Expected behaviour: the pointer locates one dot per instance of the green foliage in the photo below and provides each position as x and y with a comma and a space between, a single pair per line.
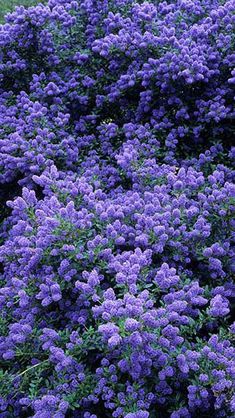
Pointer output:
7, 6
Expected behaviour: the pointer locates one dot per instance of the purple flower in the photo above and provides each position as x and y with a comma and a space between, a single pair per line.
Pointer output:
117, 200
219, 306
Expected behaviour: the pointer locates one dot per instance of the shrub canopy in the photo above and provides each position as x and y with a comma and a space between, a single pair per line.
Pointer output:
117, 195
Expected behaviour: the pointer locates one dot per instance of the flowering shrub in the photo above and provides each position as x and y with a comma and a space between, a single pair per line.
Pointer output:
117, 209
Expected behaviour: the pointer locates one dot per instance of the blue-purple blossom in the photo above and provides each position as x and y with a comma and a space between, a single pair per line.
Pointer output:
117, 209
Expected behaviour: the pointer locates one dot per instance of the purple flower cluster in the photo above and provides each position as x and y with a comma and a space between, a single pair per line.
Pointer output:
117, 202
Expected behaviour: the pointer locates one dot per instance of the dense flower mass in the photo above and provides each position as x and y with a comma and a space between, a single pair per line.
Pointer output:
117, 209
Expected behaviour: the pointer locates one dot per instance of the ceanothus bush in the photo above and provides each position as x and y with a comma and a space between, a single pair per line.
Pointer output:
117, 197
